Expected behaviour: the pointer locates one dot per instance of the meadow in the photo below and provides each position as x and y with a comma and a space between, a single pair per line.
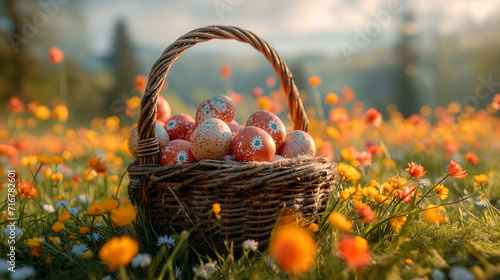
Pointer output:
417, 197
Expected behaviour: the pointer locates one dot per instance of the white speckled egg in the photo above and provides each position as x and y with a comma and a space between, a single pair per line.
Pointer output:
178, 125
220, 107
162, 136
298, 143
211, 139
133, 140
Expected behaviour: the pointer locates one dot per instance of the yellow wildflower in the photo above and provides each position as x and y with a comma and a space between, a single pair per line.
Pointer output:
123, 215
109, 204
480, 179
65, 216
34, 242
397, 222
441, 191
339, 221
95, 209
57, 227
118, 251
435, 215
348, 172
216, 208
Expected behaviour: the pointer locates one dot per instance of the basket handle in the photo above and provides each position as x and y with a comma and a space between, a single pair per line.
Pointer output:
148, 148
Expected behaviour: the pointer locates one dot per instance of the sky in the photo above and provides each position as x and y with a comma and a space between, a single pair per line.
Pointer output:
290, 26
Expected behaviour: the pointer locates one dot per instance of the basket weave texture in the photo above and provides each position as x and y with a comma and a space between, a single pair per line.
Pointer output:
251, 195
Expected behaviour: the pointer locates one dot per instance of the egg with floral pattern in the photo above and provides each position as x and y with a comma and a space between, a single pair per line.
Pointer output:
177, 152
271, 123
163, 112
253, 144
211, 139
219, 107
133, 140
178, 125
298, 143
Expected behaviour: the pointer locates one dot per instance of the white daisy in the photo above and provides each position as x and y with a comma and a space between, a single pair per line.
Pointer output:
166, 240
273, 126
141, 260
250, 244
79, 250
182, 157
256, 143
49, 208
172, 124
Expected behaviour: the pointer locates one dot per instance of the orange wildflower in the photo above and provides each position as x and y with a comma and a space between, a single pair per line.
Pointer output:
456, 171
36, 252
97, 164
57, 227
56, 56
366, 213
313, 227
140, 83
339, 221
84, 230
480, 179
60, 112
123, 215
331, 98
118, 251
216, 208
34, 242
271, 81
496, 101
27, 190
354, 251
42, 112
293, 249
348, 94
109, 204
472, 158
373, 117
314, 81
95, 209
16, 105
225, 71
435, 215
65, 216
415, 170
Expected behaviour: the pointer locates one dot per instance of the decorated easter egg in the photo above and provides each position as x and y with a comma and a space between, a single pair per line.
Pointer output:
133, 140
271, 124
229, 157
253, 144
211, 139
178, 125
277, 157
177, 152
189, 133
219, 107
298, 143
163, 112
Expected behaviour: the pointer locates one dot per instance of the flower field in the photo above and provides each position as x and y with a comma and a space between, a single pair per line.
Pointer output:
417, 197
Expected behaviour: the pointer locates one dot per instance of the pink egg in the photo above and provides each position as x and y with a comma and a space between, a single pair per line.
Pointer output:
277, 157
178, 125
211, 139
133, 140
219, 107
163, 112
177, 152
271, 123
253, 144
234, 127
298, 143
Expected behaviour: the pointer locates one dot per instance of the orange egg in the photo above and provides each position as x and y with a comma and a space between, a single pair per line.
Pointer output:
219, 107
271, 123
298, 143
163, 112
253, 144
178, 125
177, 152
234, 127
211, 139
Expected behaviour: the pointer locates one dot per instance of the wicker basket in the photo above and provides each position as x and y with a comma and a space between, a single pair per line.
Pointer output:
252, 195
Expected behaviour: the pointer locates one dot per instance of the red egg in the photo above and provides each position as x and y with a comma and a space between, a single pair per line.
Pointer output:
271, 124
163, 112
298, 143
178, 125
219, 107
133, 140
211, 139
189, 133
234, 127
177, 152
253, 144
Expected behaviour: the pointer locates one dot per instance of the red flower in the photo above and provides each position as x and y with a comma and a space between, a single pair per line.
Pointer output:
225, 71
140, 82
373, 117
456, 171
258, 91
354, 251
415, 170
407, 194
27, 190
472, 158
364, 158
16, 105
366, 213
56, 56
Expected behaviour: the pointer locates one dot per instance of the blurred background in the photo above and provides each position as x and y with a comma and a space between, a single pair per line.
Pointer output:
407, 53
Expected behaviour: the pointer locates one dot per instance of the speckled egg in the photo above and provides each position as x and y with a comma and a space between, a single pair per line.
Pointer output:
298, 143
219, 107
211, 139
189, 133
133, 140
271, 123
178, 125
177, 152
253, 144
163, 112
